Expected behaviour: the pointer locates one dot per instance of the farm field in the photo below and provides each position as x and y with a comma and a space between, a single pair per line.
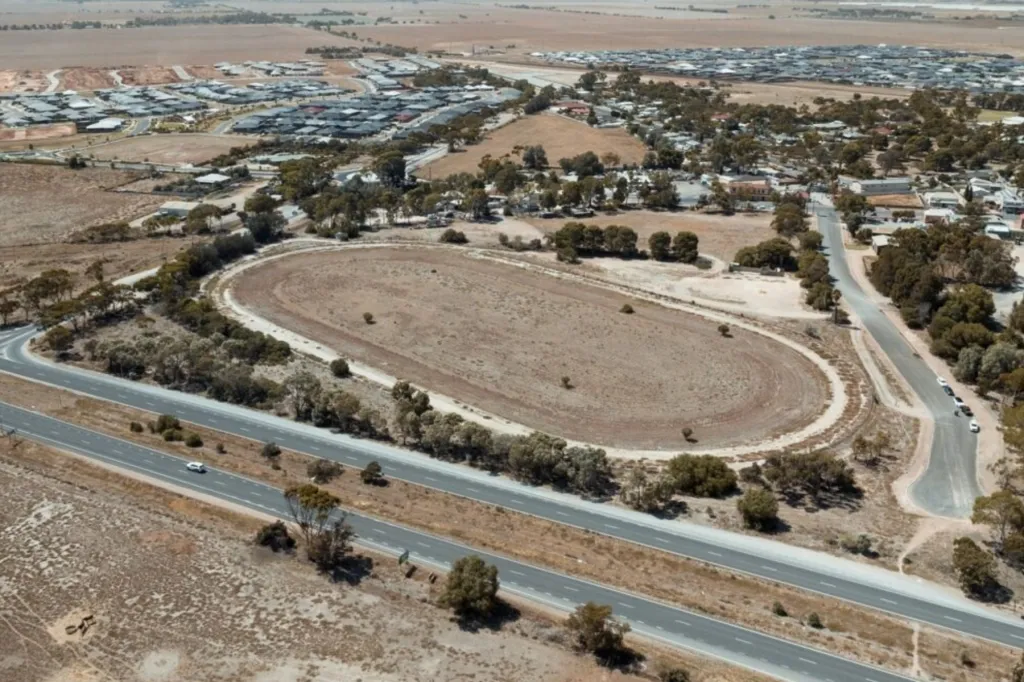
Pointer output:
720, 236
47, 203
169, 148
500, 338
560, 137
184, 45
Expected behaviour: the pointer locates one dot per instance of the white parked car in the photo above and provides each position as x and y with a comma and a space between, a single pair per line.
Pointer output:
197, 467
959, 403
974, 426
942, 382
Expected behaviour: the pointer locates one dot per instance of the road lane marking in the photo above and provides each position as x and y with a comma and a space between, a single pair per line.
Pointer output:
955, 620
769, 568
1017, 637
626, 606
826, 584
515, 572
378, 531
713, 553
473, 490
888, 601
807, 660
422, 544
661, 540
608, 525
744, 641
313, 447
430, 478
571, 589
561, 513
256, 494
683, 622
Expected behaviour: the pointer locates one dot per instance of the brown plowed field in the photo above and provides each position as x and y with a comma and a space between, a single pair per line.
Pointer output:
500, 338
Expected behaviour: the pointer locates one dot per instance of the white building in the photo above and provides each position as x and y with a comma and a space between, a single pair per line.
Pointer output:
942, 199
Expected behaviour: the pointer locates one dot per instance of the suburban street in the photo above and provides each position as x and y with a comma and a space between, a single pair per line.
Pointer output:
779, 658
870, 586
950, 483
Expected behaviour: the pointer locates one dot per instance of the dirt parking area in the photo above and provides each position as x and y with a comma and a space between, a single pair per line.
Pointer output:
561, 137
720, 236
169, 148
174, 592
501, 338
47, 203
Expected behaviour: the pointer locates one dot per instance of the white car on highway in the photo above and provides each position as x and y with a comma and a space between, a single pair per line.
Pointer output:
942, 382
973, 425
197, 467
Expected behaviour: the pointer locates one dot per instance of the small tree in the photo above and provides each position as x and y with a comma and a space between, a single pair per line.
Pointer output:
595, 631
814, 620
165, 422
135, 427
779, 610
472, 588
368, 318
453, 236
687, 433
975, 568
270, 452
723, 329
340, 369
759, 509
627, 309
372, 474
275, 536
311, 508
566, 382
193, 440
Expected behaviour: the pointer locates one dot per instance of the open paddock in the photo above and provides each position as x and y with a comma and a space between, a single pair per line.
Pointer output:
720, 236
169, 148
42, 203
560, 137
499, 338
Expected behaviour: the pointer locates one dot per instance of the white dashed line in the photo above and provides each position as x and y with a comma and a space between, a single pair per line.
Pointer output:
713, 553
827, 584
515, 572
807, 660
430, 478
626, 606
571, 589
769, 568
683, 622
743, 641
472, 490
422, 544
888, 601
608, 525
955, 620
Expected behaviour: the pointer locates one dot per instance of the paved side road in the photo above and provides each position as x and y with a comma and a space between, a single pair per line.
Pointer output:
677, 627
950, 483
869, 586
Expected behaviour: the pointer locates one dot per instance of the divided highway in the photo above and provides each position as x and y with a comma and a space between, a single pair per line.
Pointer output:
869, 586
950, 483
779, 658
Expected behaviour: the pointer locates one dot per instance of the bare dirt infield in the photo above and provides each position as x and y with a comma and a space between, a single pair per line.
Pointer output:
46, 203
720, 236
500, 338
169, 148
560, 137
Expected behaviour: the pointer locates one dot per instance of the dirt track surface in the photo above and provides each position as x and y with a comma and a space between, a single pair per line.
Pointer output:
500, 338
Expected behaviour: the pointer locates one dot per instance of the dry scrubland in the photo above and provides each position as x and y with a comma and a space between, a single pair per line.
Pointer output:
47, 203
720, 236
169, 148
178, 595
560, 137
500, 338
21, 263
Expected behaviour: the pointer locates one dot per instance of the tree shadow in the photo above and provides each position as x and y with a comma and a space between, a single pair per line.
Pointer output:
503, 614
994, 593
622, 658
353, 570
671, 510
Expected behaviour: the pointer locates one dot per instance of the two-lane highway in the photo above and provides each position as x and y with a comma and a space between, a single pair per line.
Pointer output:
950, 483
804, 569
780, 658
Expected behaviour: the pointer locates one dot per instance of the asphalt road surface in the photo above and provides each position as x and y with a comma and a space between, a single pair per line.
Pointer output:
950, 483
779, 658
804, 569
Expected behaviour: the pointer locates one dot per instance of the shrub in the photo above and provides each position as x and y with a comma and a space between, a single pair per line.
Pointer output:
779, 610
856, 544
135, 427
165, 422
723, 329
566, 382
471, 588
340, 369
759, 509
372, 474
193, 440
221, 449
701, 475
173, 435
323, 470
627, 309
674, 675
275, 536
453, 236
270, 451
368, 318
814, 620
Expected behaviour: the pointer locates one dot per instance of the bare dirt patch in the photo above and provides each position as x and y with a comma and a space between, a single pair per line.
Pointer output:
895, 200
200, 71
35, 133
149, 75
560, 137
81, 78
169, 148
22, 81
720, 236
46, 203
525, 331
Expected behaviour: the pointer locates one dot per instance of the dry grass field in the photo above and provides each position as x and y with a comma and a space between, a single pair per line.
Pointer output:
22, 81
108, 48
169, 148
500, 338
560, 137
21, 263
720, 236
47, 203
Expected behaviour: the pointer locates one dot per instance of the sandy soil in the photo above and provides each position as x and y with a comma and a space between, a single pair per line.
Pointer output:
169, 148
22, 81
46, 203
177, 593
105, 48
505, 361
19, 263
149, 75
35, 133
895, 200
560, 137
203, 72
720, 236
81, 78
539, 30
